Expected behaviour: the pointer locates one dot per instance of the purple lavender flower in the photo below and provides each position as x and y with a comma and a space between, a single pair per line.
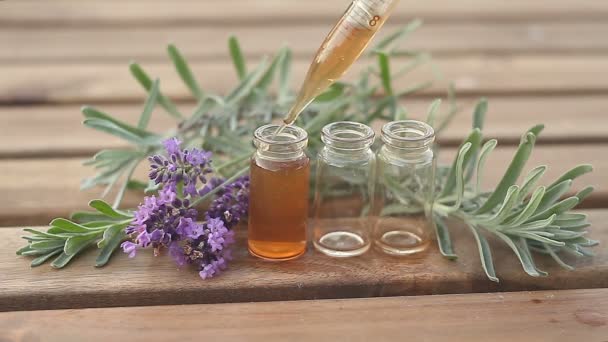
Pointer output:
168, 220
129, 248
187, 166
177, 253
232, 202
218, 235
172, 146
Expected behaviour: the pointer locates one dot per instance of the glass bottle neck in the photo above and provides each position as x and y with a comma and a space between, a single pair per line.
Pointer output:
347, 138
408, 139
288, 145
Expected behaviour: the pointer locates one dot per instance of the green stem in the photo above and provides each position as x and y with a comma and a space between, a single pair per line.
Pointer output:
232, 162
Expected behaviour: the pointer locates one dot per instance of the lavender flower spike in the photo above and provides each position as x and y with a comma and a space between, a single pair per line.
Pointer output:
168, 220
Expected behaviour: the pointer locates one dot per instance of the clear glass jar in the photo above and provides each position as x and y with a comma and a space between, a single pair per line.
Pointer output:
343, 190
404, 188
278, 201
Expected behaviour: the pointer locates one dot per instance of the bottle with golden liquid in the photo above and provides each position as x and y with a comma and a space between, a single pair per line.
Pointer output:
278, 201
340, 49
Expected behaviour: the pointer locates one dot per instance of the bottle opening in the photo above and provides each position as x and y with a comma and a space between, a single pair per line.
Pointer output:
288, 144
347, 135
287, 135
407, 133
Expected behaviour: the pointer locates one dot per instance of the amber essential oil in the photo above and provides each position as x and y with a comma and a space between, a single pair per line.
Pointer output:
278, 202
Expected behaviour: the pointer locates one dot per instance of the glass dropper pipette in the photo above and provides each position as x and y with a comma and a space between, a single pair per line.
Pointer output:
340, 49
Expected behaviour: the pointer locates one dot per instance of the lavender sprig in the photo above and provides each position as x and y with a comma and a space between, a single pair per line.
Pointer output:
169, 220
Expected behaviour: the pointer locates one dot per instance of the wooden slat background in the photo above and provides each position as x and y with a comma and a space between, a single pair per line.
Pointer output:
537, 61
526, 316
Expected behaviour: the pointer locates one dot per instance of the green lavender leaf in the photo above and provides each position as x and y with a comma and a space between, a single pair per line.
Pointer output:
184, 72
69, 226
268, 76
523, 257
46, 235
480, 113
87, 216
63, 259
557, 259
104, 208
504, 210
144, 118
237, 57
75, 243
91, 113
47, 244
432, 112
530, 181
529, 209
284, 74
485, 254
584, 193
573, 174
112, 156
385, 72
111, 128
43, 258
511, 175
333, 92
459, 175
24, 249
557, 208
36, 251
553, 194
247, 85
443, 239
144, 80
112, 238
474, 140
486, 149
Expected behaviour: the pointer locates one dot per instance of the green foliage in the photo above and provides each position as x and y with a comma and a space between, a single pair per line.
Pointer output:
525, 217
67, 238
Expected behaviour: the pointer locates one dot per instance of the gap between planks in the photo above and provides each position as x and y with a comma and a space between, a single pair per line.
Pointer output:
566, 315
37, 190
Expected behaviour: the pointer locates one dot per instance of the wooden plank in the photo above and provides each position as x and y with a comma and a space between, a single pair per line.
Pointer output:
146, 280
491, 75
529, 316
31, 187
91, 44
158, 12
59, 132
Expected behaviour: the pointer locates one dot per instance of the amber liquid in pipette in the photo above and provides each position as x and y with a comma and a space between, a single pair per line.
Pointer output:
340, 49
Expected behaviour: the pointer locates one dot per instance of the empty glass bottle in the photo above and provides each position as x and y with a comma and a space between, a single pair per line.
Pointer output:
404, 188
344, 189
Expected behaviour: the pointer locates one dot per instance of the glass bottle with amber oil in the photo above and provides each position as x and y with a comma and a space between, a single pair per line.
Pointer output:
278, 202
343, 190
404, 188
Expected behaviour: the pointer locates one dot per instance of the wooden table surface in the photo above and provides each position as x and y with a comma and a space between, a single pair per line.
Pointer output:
537, 61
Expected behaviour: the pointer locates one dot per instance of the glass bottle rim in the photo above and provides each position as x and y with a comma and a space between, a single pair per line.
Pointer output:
347, 131
407, 133
289, 135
